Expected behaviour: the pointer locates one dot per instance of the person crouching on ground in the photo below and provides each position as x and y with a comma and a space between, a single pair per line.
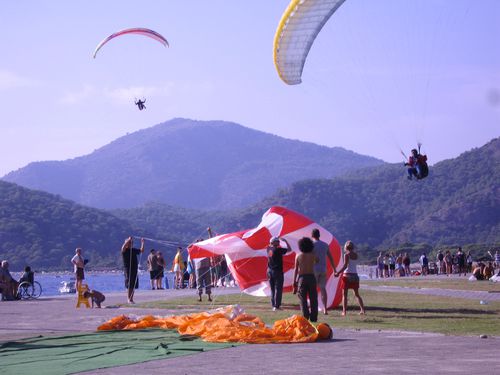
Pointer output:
96, 297
350, 278
304, 280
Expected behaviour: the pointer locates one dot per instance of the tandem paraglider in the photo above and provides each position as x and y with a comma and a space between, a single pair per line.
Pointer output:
417, 164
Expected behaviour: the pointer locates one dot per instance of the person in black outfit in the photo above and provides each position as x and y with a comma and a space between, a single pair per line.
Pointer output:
275, 269
140, 103
131, 266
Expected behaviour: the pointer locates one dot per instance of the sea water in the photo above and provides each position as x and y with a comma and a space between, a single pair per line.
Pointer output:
101, 281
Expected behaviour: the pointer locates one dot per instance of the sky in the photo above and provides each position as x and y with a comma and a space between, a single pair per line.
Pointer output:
381, 76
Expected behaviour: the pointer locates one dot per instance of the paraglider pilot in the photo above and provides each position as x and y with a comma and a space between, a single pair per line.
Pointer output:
140, 103
417, 165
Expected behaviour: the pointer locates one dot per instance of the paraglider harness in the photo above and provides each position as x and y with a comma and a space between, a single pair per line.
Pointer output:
140, 103
417, 165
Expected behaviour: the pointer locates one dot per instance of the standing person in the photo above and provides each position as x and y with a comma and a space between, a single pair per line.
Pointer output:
380, 266
203, 274
215, 269
161, 267
131, 266
304, 279
406, 264
424, 264
223, 270
178, 268
78, 265
275, 269
440, 261
203, 277
350, 278
152, 264
469, 262
448, 262
322, 252
386, 265
392, 264
461, 262
191, 271
400, 272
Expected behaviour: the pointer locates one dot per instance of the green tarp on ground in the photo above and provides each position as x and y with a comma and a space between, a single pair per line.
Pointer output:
83, 352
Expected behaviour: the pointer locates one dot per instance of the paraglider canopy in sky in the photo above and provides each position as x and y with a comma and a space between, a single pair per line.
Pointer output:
138, 31
297, 30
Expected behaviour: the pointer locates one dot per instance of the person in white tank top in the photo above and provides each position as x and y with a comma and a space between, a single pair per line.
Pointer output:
350, 278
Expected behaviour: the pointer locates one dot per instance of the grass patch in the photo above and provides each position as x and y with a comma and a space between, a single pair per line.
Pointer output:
440, 283
386, 311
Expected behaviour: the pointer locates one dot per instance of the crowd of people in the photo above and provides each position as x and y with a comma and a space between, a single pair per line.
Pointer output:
309, 277
446, 263
390, 265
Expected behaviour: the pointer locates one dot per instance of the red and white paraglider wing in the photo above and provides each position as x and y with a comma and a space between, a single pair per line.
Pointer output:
137, 31
246, 252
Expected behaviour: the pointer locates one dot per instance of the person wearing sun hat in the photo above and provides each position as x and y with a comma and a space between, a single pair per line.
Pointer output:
275, 269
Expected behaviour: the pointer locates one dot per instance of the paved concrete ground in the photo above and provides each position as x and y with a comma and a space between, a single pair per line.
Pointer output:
371, 352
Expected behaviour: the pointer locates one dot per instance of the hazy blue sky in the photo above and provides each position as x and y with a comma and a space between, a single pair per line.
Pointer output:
381, 75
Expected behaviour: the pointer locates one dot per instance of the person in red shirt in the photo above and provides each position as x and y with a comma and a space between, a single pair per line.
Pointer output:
417, 165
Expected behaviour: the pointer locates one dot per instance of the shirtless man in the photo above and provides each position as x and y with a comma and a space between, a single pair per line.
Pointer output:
304, 280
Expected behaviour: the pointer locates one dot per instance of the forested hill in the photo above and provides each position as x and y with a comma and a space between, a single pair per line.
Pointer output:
43, 230
458, 204
186, 163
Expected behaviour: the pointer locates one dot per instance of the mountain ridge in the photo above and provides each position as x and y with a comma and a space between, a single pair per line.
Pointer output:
377, 208
188, 163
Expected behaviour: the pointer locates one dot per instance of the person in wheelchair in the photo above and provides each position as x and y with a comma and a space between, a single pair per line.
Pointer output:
28, 276
27, 286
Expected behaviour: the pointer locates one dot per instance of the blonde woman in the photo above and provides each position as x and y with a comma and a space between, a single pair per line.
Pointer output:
350, 278
178, 268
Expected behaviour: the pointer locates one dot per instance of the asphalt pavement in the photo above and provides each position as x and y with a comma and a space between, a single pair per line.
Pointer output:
371, 352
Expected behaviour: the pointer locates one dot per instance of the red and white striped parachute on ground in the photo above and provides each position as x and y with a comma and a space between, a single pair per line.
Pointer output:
246, 253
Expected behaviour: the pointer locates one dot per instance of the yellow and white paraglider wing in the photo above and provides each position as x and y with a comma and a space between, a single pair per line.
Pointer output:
299, 26
137, 31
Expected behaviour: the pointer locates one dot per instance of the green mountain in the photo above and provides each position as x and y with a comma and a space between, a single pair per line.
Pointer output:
42, 230
458, 204
378, 208
186, 163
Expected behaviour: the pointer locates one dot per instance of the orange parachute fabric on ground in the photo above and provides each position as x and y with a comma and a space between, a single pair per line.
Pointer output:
223, 326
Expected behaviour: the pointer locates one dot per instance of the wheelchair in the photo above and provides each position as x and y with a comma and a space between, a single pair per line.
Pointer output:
27, 290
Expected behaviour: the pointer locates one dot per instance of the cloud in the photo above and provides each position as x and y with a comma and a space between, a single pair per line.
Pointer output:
86, 92
10, 80
122, 95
